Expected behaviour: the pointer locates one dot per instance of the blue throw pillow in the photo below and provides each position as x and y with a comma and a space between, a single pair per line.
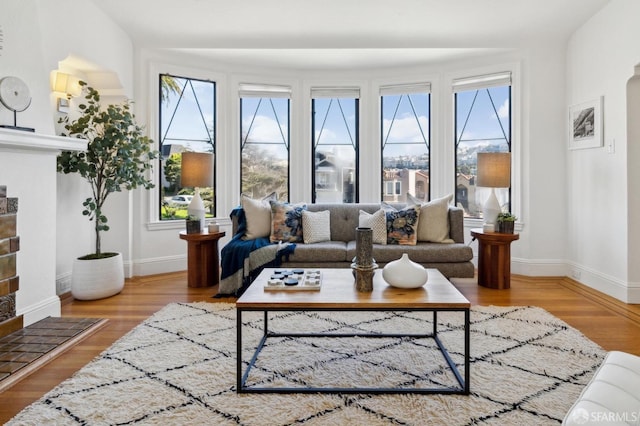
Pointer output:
286, 222
402, 225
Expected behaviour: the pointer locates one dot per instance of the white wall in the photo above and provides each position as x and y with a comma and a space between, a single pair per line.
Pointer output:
600, 60
39, 35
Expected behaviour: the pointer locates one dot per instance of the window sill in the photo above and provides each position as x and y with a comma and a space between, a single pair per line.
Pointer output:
477, 223
179, 224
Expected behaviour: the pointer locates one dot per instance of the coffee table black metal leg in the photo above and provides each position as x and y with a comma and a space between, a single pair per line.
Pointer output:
238, 350
467, 349
435, 323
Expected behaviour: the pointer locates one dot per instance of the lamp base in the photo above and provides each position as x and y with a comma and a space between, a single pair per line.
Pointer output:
491, 208
488, 227
196, 209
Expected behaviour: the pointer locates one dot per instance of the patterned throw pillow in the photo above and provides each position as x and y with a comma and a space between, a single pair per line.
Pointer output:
434, 219
316, 226
402, 225
258, 216
286, 222
378, 224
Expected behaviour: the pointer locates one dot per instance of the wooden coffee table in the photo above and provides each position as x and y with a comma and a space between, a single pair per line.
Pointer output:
338, 293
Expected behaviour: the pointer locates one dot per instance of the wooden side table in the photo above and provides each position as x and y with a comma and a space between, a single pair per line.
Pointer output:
494, 258
203, 259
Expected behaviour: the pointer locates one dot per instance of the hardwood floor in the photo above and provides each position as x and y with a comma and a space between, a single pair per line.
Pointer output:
612, 324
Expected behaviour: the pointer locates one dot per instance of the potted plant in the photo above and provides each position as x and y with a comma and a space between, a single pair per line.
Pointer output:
118, 156
506, 222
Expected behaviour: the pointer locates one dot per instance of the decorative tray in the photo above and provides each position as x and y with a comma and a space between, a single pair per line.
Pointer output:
294, 280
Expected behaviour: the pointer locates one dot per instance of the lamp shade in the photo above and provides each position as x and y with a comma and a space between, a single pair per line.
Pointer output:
197, 169
66, 84
494, 169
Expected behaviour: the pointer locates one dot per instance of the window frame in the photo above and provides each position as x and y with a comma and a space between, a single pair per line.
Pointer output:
265, 92
160, 138
405, 89
516, 189
336, 93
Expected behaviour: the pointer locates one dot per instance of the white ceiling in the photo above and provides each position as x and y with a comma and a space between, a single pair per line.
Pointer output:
328, 34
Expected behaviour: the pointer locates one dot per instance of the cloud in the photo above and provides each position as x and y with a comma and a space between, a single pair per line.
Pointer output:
405, 129
503, 111
264, 129
328, 136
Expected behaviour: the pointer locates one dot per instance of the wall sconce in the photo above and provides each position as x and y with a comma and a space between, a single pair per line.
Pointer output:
64, 86
494, 171
197, 172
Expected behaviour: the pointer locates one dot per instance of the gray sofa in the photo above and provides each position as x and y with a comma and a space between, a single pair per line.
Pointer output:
451, 259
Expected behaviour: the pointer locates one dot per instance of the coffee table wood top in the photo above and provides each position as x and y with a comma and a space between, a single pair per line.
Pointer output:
338, 292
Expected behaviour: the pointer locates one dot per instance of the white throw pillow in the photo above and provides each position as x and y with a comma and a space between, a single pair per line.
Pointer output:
316, 226
377, 222
258, 215
434, 219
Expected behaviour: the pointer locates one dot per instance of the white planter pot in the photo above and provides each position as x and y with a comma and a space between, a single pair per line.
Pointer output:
97, 278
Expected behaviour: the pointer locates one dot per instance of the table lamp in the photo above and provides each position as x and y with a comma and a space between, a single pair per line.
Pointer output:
197, 172
494, 171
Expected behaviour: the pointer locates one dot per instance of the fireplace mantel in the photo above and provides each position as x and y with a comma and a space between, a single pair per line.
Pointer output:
28, 141
28, 169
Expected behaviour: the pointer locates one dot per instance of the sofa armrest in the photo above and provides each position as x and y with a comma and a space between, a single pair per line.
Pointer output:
456, 224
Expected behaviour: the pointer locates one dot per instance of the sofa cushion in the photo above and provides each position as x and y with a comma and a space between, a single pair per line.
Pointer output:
402, 225
420, 253
286, 222
434, 219
258, 216
316, 226
378, 224
328, 251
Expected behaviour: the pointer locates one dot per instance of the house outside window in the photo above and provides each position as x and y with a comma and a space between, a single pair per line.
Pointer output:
405, 144
187, 124
335, 121
264, 144
483, 121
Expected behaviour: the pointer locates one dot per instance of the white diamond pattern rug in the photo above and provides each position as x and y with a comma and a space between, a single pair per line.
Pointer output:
179, 367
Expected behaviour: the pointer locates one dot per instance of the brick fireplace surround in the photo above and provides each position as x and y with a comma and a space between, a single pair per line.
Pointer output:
9, 246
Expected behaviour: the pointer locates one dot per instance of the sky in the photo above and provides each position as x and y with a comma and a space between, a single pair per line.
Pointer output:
407, 135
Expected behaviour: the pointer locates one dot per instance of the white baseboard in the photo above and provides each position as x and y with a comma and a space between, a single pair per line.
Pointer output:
539, 267
624, 291
47, 308
628, 292
159, 265
63, 283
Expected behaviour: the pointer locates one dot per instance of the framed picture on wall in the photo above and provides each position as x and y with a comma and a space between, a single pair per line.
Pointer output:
585, 125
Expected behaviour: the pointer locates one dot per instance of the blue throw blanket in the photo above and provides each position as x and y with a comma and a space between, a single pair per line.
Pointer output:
242, 260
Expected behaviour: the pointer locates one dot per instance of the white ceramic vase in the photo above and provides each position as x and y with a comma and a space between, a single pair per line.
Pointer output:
405, 273
97, 278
